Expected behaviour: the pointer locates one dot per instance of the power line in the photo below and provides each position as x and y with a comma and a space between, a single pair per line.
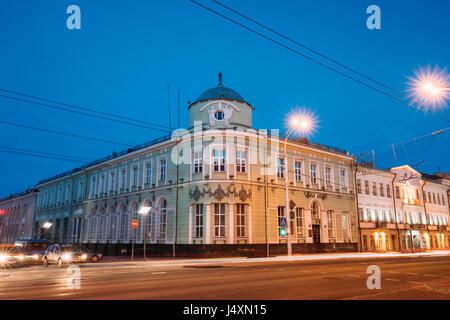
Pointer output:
314, 60
318, 53
83, 108
40, 154
63, 133
82, 113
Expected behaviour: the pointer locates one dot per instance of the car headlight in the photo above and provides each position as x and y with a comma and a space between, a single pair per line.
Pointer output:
3, 258
36, 256
84, 256
66, 256
20, 257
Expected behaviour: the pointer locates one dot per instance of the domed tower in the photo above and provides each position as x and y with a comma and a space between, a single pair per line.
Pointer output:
221, 107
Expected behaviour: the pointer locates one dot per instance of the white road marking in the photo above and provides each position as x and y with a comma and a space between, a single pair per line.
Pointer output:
391, 279
393, 271
415, 282
354, 275
413, 273
429, 275
162, 272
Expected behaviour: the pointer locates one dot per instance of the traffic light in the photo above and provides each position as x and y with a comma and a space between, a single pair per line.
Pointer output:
282, 231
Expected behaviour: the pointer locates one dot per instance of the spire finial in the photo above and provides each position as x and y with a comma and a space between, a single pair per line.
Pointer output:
220, 79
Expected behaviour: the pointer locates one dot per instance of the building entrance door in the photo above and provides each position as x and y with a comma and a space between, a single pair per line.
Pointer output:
316, 234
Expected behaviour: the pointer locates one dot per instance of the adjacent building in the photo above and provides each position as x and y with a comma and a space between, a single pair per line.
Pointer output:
16, 216
226, 195
402, 209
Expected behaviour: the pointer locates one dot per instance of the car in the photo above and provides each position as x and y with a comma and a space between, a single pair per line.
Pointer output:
7, 255
30, 251
66, 254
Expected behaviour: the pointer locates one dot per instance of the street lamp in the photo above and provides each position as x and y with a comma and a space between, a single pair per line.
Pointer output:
303, 123
430, 87
144, 211
47, 225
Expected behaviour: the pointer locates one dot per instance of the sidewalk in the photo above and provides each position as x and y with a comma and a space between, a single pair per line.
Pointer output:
297, 257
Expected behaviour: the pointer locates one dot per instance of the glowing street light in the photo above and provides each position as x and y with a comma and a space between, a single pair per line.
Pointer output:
430, 87
47, 225
304, 123
144, 211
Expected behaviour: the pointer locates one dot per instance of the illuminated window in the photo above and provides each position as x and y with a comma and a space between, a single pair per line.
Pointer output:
198, 225
299, 221
219, 220
241, 161
163, 219
240, 220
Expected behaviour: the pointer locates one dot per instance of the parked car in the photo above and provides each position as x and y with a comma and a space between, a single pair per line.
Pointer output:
66, 254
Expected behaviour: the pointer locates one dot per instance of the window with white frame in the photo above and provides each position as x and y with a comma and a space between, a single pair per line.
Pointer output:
345, 224
112, 234
219, 160
162, 169
313, 173
111, 181
299, 222
240, 220
123, 224
280, 168
198, 220
148, 173
399, 216
328, 177
163, 219
368, 214
298, 170
80, 189
60, 194
219, 220
198, 162
135, 174
68, 192
103, 184
92, 189
241, 161
342, 177
330, 215
388, 190
281, 218
123, 180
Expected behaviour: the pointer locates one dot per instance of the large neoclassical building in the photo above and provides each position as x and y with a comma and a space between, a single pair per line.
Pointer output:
216, 187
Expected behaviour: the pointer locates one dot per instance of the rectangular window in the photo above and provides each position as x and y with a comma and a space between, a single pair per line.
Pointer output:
68, 193
240, 220
80, 190
434, 198
148, 173
198, 218
103, 184
123, 173
342, 177
358, 186
111, 181
330, 223
299, 220
219, 160
241, 161
397, 192
368, 214
298, 170
366, 187
399, 216
280, 168
162, 169
313, 174
92, 192
344, 225
219, 220
429, 197
381, 190
374, 188
198, 162
328, 177
388, 191
281, 217
134, 176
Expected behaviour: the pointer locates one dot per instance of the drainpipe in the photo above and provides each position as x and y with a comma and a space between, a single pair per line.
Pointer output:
425, 207
394, 195
265, 197
357, 210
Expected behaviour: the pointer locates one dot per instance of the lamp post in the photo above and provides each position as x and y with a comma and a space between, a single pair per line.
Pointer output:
47, 225
300, 123
144, 211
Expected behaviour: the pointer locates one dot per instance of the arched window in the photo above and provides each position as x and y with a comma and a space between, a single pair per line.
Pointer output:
112, 224
162, 219
315, 210
102, 224
123, 234
92, 225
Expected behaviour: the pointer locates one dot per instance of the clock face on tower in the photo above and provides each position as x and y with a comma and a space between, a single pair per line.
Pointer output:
220, 111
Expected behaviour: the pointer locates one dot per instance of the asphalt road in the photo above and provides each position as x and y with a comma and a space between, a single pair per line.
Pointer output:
423, 277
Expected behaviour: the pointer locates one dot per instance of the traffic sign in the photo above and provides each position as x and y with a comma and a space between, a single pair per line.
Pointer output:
283, 222
292, 215
134, 223
292, 205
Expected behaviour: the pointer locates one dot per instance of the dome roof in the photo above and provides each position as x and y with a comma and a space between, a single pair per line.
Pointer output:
220, 92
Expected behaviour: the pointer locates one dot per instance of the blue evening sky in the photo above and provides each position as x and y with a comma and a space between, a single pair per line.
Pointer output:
127, 52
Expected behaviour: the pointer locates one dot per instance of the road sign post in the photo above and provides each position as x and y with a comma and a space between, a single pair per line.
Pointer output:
134, 225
